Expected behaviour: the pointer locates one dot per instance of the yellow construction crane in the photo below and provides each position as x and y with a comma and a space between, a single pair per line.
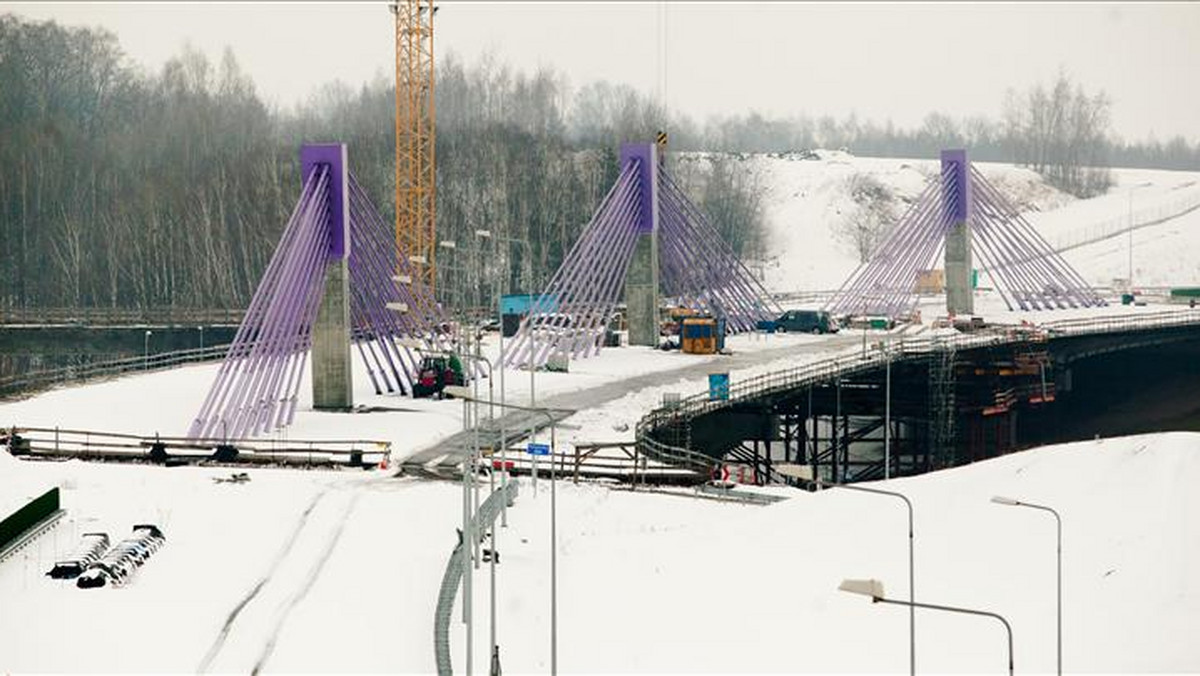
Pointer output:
416, 129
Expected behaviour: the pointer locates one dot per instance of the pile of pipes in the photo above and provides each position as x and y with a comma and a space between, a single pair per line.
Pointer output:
89, 550
89, 569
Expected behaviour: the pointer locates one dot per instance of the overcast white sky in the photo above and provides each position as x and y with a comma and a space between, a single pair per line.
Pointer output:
882, 61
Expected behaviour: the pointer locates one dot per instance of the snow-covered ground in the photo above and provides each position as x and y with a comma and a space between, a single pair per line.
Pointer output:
808, 202
647, 582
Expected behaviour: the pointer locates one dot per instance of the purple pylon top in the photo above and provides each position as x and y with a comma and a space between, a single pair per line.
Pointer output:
332, 156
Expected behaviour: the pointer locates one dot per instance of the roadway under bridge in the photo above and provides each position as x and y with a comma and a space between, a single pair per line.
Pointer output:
941, 402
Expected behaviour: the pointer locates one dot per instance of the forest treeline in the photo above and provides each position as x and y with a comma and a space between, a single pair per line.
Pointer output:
126, 188
123, 188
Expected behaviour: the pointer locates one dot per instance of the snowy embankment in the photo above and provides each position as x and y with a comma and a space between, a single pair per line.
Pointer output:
808, 204
647, 582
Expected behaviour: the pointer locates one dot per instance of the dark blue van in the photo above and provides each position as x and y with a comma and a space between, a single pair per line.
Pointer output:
807, 321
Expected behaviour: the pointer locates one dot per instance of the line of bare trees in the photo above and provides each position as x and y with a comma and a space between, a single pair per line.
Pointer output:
122, 188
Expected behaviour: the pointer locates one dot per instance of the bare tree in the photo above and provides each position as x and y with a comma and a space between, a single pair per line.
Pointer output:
874, 212
1061, 133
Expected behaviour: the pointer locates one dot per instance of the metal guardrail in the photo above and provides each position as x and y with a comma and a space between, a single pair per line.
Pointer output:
1112, 227
825, 370
802, 297
33, 380
101, 316
58, 443
734, 494
487, 514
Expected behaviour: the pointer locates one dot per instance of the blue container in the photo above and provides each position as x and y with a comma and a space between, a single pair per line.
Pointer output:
521, 303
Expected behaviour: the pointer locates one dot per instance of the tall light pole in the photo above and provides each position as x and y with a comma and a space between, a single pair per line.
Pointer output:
1131, 189
887, 411
912, 604
501, 291
999, 500
550, 414
874, 589
1131, 240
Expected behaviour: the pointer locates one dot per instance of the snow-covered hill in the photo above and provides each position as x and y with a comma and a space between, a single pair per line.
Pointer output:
809, 201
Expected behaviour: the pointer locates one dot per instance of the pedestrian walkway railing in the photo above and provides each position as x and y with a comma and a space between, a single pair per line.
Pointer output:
104, 316
1143, 218
31, 381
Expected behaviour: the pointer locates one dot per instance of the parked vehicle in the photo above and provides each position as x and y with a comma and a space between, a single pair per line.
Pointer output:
807, 321
434, 375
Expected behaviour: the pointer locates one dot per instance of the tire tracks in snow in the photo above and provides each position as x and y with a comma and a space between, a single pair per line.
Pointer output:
298, 596
254, 625
219, 642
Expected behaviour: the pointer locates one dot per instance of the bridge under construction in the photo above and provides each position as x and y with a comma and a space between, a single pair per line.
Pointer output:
908, 406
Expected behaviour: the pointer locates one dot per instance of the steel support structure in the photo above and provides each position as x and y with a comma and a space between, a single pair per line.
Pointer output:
416, 132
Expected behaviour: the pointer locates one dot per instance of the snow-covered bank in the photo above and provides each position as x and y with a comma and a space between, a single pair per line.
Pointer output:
650, 585
808, 201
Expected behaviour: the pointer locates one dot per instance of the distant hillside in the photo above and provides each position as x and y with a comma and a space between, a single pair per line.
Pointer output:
811, 200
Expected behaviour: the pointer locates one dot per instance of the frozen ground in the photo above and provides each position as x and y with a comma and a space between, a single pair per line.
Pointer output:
647, 583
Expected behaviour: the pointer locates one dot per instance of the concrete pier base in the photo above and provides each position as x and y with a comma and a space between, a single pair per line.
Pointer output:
641, 293
960, 298
332, 383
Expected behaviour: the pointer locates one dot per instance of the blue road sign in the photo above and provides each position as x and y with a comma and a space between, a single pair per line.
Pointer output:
718, 386
538, 449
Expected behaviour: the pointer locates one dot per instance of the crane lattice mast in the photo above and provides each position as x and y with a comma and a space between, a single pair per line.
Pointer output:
416, 179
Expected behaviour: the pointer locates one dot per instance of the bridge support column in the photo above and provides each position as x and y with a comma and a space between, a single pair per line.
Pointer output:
956, 195
332, 381
641, 279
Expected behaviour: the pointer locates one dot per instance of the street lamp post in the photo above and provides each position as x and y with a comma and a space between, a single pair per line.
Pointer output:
146, 351
912, 605
1131, 189
874, 589
501, 290
999, 500
202, 337
1131, 240
550, 415
887, 412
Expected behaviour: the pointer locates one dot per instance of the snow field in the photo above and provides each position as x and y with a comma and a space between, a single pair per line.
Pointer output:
663, 584
648, 582
807, 202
